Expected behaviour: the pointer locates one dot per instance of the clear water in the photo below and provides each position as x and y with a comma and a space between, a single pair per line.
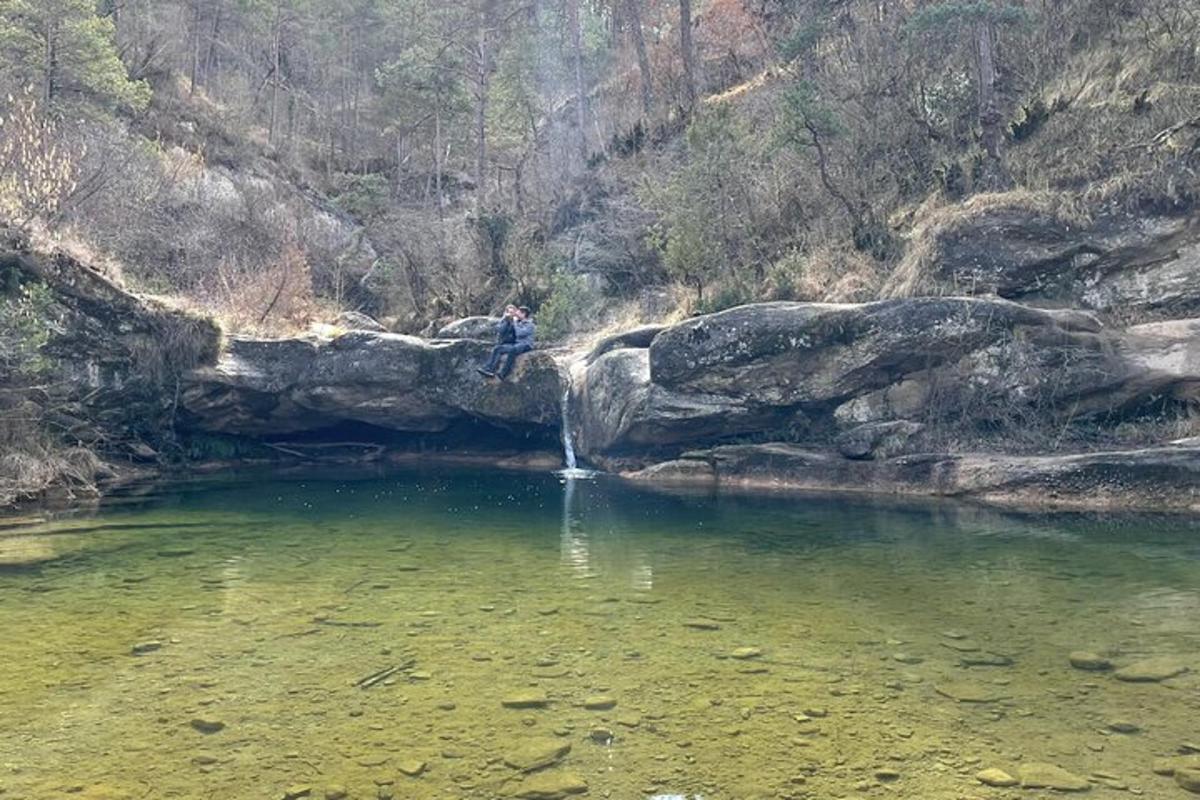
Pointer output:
271, 598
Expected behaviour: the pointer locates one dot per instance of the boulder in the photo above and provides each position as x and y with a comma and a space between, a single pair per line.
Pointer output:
637, 338
1022, 252
878, 439
478, 328
771, 368
617, 408
270, 387
816, 353
358, 321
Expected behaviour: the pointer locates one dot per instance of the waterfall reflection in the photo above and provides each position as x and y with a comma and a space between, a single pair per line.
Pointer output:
576, 553
591, 540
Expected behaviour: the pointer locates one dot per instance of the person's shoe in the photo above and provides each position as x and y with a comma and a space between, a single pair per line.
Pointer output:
487, 373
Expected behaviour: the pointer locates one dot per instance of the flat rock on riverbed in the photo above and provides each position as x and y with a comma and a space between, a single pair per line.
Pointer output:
550, 786
535, 754
526, 699
1037, 775
995, 777
969, 692
1152, 670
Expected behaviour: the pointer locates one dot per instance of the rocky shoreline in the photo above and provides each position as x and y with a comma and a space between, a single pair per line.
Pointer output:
951, 396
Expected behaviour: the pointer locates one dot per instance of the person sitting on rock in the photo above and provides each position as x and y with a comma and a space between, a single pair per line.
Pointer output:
506, 332
523, 332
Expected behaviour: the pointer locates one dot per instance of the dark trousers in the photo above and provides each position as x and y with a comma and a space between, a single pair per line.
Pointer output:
508, 353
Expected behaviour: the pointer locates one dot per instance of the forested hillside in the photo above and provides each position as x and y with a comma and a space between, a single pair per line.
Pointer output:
273, 164
276, 161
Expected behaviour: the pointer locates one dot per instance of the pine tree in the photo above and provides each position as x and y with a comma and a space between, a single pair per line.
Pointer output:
63, 49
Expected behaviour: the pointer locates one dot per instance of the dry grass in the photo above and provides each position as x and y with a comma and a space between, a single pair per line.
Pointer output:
274, 302
1111, 132
31, 472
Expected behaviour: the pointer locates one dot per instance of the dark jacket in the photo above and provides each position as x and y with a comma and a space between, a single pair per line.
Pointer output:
524, 329
506, 333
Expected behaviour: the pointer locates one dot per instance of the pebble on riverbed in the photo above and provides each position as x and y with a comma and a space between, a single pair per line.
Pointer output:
207, 725
600, 702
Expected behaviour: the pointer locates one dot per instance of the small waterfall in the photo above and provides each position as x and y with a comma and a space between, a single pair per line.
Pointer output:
567, 439
572, 470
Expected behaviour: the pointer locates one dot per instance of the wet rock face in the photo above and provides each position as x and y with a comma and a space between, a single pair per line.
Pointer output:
1113, 263
268, 387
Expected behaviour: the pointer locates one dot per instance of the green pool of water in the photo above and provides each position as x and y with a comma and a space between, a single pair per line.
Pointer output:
262, 636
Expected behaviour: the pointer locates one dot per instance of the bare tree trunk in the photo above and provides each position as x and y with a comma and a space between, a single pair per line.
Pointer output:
49, 85
275, 59
688, 52
482, 89
195, 65
210, 58
573, 23
639, 44
990, 118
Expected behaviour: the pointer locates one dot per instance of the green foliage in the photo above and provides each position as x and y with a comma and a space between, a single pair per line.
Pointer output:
63, 48
803, 40
948, 17
573, 305
726, 296
803, 112
698, 214
516, 105
364, 197
25, 329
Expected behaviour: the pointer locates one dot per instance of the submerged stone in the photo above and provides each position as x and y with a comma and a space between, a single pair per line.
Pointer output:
1188, 779
1152, 670
1039, 775
600, 702
550, 786
526, 699
535, 754
743, 653
968, 692
701, 624
1168, 766
995, 777
1085, 660
207, 725
412, 767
